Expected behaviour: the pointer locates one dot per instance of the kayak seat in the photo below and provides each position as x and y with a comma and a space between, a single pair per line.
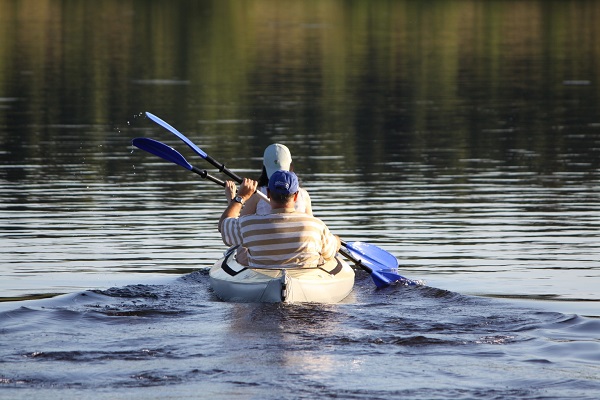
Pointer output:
225, 266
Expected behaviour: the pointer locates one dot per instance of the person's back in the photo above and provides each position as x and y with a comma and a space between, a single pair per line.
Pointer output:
284, 238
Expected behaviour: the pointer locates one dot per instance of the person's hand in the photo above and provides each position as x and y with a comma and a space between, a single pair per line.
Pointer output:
230, 190
247, 188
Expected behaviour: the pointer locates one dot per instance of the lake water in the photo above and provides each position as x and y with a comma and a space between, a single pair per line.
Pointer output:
463, 137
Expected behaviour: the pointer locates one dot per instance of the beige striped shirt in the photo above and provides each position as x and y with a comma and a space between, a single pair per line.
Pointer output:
282, 239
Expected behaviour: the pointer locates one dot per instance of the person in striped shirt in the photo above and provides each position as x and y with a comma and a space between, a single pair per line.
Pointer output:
285, 238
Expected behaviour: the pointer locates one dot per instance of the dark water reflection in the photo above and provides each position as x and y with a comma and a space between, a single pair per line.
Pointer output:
463, 136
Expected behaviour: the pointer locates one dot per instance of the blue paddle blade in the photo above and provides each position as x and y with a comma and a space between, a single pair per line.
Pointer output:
161, 150
180, 135
381, 280
383, 265
371, 254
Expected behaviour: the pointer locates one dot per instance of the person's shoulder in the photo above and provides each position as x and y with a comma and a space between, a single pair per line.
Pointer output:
245, 219
307, 217
229, 224
304, 192
303, 197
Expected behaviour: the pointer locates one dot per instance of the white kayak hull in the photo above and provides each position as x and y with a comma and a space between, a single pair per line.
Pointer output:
233, 282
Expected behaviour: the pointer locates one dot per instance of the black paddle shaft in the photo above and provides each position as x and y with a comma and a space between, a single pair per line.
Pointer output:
222, 168
205, 175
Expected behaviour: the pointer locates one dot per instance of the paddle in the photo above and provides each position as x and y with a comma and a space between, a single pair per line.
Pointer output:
379, 263
170, 154
378, 277
198, 150
384, 265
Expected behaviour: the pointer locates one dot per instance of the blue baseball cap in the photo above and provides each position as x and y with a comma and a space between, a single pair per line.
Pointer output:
283, 182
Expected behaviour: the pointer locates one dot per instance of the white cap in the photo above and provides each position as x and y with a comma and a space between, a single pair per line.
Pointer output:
277, 157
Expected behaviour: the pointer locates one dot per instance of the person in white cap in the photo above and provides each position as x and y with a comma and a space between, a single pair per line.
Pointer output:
276, 157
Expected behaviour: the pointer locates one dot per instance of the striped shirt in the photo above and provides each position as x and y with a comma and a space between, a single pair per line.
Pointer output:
283, 239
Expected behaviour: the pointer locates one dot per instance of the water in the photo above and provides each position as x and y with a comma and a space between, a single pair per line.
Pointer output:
463, 137
175, 340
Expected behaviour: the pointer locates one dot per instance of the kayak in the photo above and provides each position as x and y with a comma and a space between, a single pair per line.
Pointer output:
231, 281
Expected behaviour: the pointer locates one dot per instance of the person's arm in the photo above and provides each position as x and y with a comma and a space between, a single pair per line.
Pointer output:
331, 244
307, 202
250, 206
233, 209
